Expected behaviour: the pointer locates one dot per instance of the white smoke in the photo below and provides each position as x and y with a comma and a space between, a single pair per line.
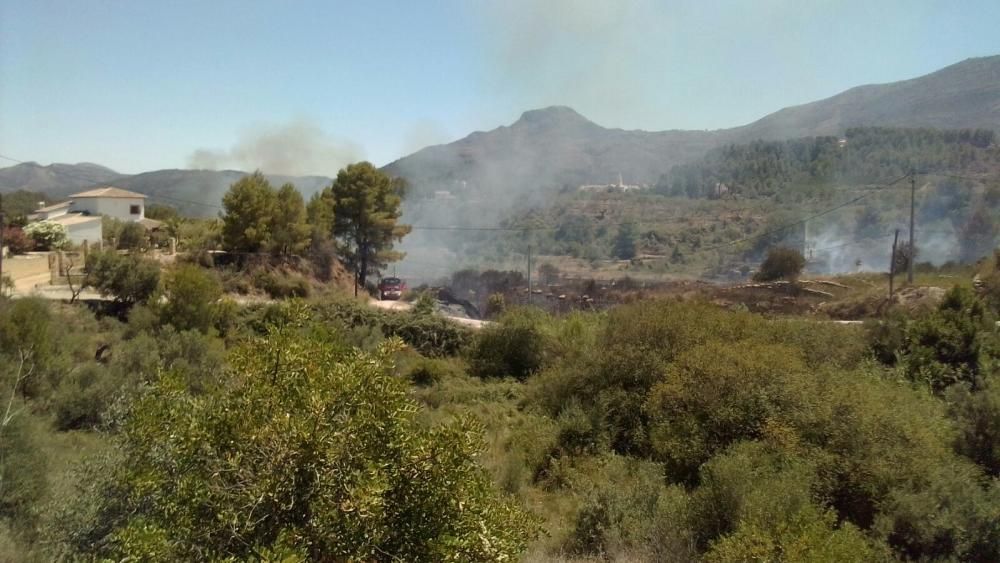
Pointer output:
296, 148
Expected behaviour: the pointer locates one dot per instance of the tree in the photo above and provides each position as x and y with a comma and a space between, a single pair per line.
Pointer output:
320, 213
15, 240
289, 228
132, 236
247, 220
129, 279
625, 245
310, 451
192, 294
47, 235
367, 204
160, 212
782, 262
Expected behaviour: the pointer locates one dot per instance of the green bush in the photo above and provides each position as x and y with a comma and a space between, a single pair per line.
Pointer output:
192, 294
325, 445
130, 279
428, 371
282, 285
512, 347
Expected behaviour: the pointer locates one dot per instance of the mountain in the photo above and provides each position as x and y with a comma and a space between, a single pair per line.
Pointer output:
965, 95
199, 192
56, 180
193, 192
554, 147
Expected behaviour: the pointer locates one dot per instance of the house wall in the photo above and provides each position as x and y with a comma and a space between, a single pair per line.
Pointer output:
90, 231
117, 207
53, 214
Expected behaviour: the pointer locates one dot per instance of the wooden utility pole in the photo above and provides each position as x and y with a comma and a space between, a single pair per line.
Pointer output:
912, 251
892, 263
1, 243
529, 274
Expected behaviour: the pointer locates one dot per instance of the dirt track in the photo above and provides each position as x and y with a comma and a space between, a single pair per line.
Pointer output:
405, 306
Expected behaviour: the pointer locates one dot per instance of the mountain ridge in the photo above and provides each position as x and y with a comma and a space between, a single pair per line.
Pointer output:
556, 148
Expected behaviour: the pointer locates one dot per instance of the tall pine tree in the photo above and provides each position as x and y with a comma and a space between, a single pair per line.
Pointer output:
368, 208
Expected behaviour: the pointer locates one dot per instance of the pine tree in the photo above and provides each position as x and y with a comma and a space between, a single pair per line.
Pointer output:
249, 208
366, 221
290, 229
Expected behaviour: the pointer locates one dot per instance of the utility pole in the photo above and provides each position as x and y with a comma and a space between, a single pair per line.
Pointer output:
529, 273
913, 249
1, 243
892, 263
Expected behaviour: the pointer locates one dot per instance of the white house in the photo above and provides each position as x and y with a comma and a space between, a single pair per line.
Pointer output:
81, 215
112, 202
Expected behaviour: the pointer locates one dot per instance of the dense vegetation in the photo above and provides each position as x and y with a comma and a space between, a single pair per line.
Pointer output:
671, 430
722, 213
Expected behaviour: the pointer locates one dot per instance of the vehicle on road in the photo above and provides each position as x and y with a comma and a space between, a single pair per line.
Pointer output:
391, 288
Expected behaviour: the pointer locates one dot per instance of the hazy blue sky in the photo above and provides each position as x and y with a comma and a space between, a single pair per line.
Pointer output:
304, 86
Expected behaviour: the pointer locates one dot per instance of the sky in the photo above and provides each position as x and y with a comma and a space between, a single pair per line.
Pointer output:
304, 87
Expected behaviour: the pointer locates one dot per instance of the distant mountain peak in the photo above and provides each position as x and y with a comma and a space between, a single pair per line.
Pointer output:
552, 115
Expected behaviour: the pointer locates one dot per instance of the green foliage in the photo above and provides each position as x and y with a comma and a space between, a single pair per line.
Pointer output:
325, 447
781, 263
368, 208
130, 279
943, 347
247, 220
192, 294
132, 236
47, 235
625, 242
425, 304
161, 212
495, 305
430, 335
718, 394
977, 416
289, 229
512, 347
320, 212
281, 285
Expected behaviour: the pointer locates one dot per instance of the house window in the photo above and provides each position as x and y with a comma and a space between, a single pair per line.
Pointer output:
133, 209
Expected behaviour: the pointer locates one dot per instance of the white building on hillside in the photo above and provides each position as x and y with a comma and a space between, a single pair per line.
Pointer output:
81, 215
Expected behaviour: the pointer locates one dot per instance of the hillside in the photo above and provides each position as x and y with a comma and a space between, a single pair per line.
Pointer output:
195, 193
965, 95
55, 179
198, 193
551, 148
556, 149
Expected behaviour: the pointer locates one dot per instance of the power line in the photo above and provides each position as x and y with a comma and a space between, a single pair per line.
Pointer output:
800, 221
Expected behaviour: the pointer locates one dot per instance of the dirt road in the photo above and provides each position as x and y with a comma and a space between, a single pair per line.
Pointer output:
405, 306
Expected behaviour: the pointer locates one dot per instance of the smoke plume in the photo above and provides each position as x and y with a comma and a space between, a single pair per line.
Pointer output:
297, 148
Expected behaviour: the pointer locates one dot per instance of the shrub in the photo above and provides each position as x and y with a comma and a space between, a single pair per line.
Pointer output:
326, 446
781, 263
16, 240
130, 279
281, 285
512, 347
132, 236
47, 235
191, 295
428, 371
